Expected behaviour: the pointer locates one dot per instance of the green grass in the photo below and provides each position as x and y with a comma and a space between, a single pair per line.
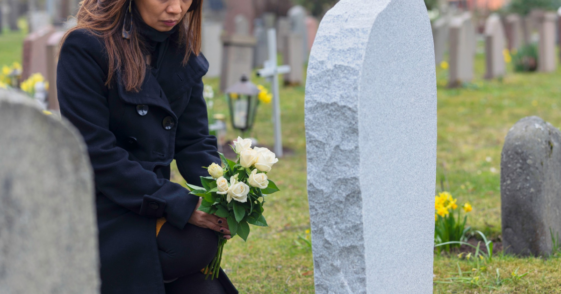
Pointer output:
11, 44
472, 125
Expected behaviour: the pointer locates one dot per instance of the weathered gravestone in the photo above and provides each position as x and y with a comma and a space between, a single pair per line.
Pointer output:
531, 187
235, 8
462, 53
283, 29
547, 61
237, 59
440, 30
371, 148
495, 44
261, 48
297, 18
514, 32
48, 233
212, 46
35, 52
293, 57
242, 25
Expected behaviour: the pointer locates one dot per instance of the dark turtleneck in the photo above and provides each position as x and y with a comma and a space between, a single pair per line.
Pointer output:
155, 42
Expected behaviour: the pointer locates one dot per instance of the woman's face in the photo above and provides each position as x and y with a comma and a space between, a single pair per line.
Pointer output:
163, 15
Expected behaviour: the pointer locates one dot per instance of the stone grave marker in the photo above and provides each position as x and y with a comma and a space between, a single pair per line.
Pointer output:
53, 49
237, 59
514, 31
261, 48
311, 30
269, 20
13, 13
237, 8
530, 187
440, 30
297, 18
35, 52
293, 57
212, 46
547, 61
283, 30
462, 40
371, 148
242, 25
48, 230
38, 20
495, 44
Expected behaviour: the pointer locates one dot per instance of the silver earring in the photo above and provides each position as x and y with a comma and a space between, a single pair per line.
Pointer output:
127, 34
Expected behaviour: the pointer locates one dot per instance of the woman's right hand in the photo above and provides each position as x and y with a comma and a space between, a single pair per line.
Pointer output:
210, 221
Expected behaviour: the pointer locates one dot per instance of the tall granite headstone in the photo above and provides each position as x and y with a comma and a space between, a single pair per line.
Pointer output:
462, 53
371, 148
514, 31
495, 44
547, 61
212, 46
13, 13
440, 30
531, 188
48, 232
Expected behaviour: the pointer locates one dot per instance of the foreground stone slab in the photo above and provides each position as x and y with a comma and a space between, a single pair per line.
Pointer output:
48, 233
371, 148
531, 187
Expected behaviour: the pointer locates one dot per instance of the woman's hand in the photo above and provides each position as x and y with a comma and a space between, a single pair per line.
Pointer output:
209, 221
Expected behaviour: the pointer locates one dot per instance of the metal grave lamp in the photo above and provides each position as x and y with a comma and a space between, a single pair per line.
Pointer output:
243, 103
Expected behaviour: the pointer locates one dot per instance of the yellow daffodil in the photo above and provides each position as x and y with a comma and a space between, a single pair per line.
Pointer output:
507, 57
261, 88
307, 231
444, 65
467, 207
265, 97
6, 70
16, 66
442, 211
47, 88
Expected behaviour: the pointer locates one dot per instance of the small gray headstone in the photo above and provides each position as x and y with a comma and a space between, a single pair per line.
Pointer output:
297, 18
514, 31
440, 30
531, 188
462, 53
242, 25
547, 61
261, 47
293, 57
283, 30
212, 46
371, 148
48, 232
495, 44
237, 59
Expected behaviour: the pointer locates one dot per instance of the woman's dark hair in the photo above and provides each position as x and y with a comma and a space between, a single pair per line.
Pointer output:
105, 19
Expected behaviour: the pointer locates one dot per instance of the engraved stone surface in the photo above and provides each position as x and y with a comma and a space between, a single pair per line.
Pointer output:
48, 233
371, 148
531, 187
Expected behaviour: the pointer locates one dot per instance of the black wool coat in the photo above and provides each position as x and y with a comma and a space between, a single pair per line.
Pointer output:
132, 139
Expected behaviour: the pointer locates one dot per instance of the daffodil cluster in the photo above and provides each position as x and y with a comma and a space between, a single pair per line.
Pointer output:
264, 96
236, 190
10, 75
28, 85
449, 226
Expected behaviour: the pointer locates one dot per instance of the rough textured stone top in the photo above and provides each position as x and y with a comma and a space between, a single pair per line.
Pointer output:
371, 147
48, 233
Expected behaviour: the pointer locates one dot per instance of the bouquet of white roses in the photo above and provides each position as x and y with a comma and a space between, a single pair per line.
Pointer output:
236, 191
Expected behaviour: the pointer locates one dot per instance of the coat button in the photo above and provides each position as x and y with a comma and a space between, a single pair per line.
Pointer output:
132, 141
142, 110
154, 205
168, 123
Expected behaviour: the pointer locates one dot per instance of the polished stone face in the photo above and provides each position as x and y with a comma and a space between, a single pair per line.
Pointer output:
371, 148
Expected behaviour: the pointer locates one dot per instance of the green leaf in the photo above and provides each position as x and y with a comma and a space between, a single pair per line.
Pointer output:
222, 212
205, 208
227, 162
243, 230
206, 203
239, 211
259, 221
200, 193
232, 225
194, 187
208, 183
208, 197
272, 188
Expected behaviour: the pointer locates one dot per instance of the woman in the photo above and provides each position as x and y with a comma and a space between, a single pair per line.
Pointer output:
130, 79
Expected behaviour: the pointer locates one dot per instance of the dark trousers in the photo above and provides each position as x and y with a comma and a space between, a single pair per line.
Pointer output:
183, 254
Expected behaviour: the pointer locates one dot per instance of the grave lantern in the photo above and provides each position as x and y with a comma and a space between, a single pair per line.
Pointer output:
243, 102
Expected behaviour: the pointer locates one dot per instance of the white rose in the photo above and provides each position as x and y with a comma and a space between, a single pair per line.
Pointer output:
222, 185
241, 144
258, 180
248, 157
265, 159
238, 192
215, 171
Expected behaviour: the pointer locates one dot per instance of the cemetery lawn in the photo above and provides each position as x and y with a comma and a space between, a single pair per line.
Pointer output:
472, 125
